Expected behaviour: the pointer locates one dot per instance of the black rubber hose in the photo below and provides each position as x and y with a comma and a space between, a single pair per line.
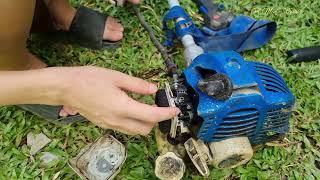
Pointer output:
304, 54
171, 66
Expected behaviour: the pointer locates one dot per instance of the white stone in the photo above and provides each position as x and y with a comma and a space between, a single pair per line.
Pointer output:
37, 142
48, 157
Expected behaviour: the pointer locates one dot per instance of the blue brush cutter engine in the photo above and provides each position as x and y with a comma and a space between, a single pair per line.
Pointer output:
221, 95
256, 101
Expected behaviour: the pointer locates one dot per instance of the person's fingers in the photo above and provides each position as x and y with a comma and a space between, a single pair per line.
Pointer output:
128, 126
149, 113
136, 85
134, 1
134, 127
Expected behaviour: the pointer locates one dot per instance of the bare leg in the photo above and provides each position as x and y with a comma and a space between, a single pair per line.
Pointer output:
14, 32
13, 52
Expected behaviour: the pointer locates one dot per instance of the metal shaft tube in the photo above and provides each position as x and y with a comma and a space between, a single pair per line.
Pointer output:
192, 50
173, 3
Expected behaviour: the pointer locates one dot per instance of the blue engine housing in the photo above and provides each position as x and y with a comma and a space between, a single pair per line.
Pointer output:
259, 108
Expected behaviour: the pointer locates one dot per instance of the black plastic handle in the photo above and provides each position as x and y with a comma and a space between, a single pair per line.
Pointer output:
304, 54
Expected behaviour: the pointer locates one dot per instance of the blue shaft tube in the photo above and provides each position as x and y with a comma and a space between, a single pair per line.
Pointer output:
191, 49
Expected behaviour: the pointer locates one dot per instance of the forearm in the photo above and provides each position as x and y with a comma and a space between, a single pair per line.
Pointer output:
43, 86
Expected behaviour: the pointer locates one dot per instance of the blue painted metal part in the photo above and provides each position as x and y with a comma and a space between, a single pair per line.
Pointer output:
259, 108
244, 33
181, 28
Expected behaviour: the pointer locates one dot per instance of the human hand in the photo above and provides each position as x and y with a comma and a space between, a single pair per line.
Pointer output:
99, 95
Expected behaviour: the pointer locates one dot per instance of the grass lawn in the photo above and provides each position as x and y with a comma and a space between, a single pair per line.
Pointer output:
298, 26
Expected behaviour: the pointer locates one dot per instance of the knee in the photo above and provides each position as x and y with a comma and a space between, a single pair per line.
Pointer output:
15, 20
14, 59
15, 23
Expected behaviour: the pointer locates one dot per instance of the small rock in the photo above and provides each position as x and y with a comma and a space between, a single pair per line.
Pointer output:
47, 158
37, 142
117, 2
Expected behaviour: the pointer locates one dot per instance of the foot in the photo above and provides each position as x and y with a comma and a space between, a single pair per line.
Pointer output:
36, 63
63, 14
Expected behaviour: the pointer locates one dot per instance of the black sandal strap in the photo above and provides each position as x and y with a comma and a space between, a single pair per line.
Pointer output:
51, 113
87, 29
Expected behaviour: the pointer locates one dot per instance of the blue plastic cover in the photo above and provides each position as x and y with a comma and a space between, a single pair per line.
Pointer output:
259, 108
244, 33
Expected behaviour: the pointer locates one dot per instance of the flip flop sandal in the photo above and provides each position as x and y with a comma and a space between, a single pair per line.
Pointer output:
86, 30
51, 114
